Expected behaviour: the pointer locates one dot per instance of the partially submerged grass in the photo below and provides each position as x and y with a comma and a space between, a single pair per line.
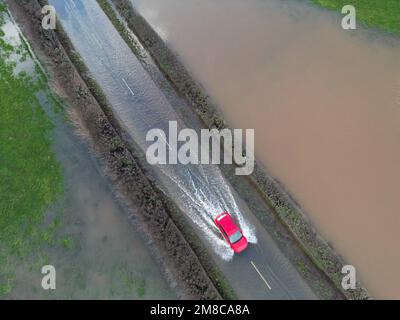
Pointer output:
131, 281
30, 175
384, 14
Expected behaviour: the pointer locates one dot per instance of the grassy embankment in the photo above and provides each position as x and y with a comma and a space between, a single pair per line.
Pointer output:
30, 176
383, 14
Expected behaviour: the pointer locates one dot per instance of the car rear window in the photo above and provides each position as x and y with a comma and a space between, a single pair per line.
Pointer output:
235, 237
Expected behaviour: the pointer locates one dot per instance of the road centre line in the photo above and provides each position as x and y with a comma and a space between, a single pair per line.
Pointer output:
129, 88
262, 277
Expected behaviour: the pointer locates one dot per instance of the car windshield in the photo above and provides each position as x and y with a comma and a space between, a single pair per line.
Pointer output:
235, 237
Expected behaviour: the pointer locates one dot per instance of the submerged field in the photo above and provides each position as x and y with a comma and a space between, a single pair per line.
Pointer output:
56, 207
30, 176
384, 14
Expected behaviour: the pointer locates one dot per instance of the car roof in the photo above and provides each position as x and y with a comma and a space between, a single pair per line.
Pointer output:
227, 224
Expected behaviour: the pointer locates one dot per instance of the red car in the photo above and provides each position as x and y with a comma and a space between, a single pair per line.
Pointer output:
232, 234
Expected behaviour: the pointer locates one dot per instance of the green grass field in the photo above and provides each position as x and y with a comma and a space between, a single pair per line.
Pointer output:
30, 176
383, 14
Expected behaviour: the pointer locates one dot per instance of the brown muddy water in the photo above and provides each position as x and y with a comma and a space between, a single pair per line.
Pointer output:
325, 104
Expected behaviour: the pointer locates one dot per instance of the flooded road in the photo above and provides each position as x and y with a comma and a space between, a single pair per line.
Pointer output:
140, 106
325, 104
200, 191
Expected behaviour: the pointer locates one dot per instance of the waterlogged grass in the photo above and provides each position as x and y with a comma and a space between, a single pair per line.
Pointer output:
384, 14
2, 7
30, 176
131, 281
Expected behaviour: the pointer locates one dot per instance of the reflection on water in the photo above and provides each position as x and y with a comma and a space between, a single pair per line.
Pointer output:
325, 105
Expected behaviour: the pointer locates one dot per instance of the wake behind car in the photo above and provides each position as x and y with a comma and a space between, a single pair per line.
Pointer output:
231, 233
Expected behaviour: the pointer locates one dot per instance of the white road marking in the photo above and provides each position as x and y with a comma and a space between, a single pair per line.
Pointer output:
259, 273
129, 88
169, 146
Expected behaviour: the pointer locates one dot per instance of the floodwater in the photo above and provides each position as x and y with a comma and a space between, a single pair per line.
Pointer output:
96, 251
106, 257
141, 104
325, 104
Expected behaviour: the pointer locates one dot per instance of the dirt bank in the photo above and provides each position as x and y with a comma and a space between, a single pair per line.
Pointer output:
192, 277
288, 223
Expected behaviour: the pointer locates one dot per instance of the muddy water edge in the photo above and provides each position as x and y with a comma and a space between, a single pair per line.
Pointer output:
319, 119
274, 193
133, 187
